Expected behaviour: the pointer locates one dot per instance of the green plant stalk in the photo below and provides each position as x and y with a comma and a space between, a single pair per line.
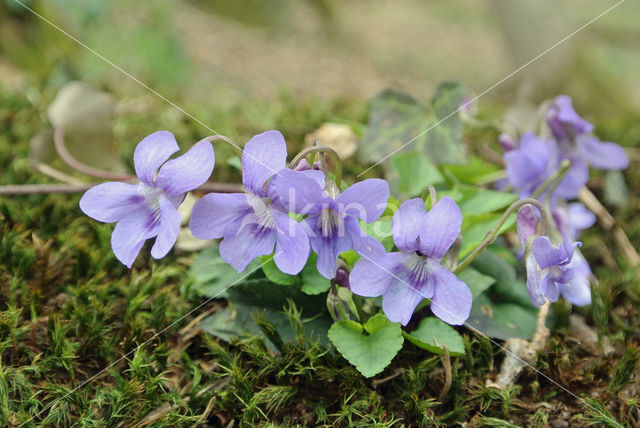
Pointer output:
320, 149
431, 192
558, 175
493, 233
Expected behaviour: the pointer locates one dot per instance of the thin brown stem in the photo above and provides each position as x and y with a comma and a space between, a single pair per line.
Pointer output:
31, 189
69, 159
448, 378
608, 222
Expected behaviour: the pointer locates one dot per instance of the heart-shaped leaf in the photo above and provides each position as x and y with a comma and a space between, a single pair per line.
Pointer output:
369, 347
433, 335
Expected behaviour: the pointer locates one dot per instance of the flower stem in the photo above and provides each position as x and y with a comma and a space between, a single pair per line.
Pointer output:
61, 149
493, 233
431, 192
558, 175
218, 137
320, 149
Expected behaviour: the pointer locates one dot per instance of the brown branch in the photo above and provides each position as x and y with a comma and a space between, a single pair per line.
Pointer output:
607, 221
521, 353
30, 189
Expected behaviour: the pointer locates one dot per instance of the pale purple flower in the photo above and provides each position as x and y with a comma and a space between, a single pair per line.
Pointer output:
404, 278
535, 160
253, 223
332, 225
599, 154
572, 218
573, 134
552, 270
563, 119
150, 208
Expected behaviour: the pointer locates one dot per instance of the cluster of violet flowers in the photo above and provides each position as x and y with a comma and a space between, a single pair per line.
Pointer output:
291, 211
261, 221
553, 169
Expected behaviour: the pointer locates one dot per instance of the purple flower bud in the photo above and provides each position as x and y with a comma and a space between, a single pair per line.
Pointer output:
342, 278
561, 117
303, 165
507, 142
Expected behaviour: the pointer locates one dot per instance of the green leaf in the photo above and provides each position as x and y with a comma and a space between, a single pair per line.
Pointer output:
415, 172
394, 119
615, 189
262, 293
502, 320
507, 286
213, 276
261, 297
312, 282
274, 274
476, 281
474, 172
475, 201
370, 348
475, 228
238, 319
234, 162
442, 142
504, 310
380, 230
432, 330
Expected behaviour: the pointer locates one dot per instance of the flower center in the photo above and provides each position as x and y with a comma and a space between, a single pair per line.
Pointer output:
263, 214
151, 197
328, 222
419, 267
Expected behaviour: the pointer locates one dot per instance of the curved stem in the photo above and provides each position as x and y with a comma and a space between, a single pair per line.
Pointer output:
320, 149
217, 138
493, 233
431, 192
69, 159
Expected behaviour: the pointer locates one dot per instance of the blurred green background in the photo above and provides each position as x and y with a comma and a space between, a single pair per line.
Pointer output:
211, 56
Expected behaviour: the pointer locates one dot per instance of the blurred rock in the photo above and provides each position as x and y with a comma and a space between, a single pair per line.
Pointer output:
339, 137
86, 115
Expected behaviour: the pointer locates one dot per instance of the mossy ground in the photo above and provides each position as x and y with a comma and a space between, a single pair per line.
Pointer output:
69, 309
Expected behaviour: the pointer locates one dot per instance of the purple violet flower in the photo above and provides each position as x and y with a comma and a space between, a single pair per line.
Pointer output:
572, 218
535, 160
150, 208
252, 223
552, 270
404, 278
573, 134
332, 225
562, 117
